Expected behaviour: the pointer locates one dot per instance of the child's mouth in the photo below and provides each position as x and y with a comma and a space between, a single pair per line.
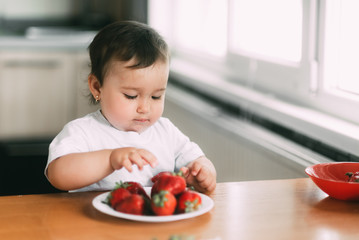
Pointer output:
142, 120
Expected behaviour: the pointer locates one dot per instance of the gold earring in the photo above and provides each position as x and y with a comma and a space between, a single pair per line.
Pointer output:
96, 98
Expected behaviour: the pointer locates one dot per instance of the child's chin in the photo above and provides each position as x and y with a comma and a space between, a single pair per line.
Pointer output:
139, 129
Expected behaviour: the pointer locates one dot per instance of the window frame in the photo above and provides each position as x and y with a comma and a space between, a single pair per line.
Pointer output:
327, 98
284, 75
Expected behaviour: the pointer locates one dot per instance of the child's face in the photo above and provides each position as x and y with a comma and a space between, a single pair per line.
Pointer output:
133, 99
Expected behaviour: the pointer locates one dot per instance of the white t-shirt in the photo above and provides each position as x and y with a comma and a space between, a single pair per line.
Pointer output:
93, 132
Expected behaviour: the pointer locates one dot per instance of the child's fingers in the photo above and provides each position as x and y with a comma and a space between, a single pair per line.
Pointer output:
202, 176
126, 157
127, 164
205, 180
195, 168
148, 157
137, 159
184, 171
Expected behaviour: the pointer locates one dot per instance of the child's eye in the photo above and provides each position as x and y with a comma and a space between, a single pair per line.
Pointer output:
130, 97
156, 97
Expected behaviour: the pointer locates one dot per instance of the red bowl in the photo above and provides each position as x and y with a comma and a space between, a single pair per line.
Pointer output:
331, 179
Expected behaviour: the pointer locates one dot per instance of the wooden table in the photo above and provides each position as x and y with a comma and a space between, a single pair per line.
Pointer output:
276, 209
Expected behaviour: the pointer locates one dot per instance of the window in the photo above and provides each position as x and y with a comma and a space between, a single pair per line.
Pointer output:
341, 72
279, 22
301, 52
208, 33
264, 44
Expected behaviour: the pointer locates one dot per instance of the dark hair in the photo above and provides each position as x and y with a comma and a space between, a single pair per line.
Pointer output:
123, 41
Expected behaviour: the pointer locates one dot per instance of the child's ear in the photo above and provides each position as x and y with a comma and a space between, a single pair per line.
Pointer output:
94, 86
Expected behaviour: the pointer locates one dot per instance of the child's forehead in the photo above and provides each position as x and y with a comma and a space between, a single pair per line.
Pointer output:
120, 72
117, 65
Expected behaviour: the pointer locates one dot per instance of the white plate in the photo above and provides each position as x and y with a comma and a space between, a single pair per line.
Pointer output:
98, 203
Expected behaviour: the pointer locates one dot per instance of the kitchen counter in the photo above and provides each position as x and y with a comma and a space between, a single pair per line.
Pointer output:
275, 209
59, 39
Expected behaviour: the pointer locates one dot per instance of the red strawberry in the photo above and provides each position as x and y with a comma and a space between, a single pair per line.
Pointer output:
174, 183
156, 177
189, 201
133, 204
353, 177
163, 203
117, 195
134, 187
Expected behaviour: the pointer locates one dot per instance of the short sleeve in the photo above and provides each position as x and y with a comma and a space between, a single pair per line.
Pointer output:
184, 149
71, 139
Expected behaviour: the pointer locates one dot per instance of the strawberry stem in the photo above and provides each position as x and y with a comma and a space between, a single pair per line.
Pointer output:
160, 198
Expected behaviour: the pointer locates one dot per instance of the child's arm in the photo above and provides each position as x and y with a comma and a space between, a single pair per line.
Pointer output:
201, 174
78, 170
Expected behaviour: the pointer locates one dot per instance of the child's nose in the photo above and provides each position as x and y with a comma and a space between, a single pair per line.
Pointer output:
143, 106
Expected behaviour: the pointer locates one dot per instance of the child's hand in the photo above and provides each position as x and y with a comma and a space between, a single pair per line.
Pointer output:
126, 157
200, 174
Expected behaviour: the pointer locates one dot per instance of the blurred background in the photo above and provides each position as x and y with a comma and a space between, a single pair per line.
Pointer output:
43, 78
17, 16
265, 87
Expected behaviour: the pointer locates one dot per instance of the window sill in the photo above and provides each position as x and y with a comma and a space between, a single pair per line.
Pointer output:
327, 129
